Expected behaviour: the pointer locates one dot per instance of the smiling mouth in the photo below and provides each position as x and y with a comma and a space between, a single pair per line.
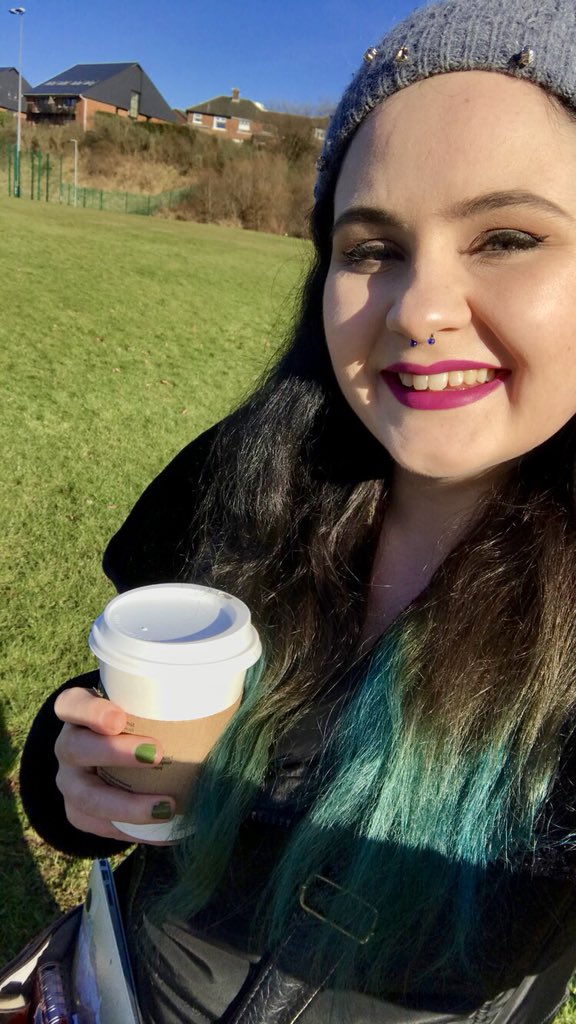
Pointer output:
454, 380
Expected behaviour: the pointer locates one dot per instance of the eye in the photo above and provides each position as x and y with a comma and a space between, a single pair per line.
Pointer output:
369, 257
505, 241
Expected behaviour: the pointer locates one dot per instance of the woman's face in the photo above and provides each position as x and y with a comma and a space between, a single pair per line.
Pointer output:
455, 215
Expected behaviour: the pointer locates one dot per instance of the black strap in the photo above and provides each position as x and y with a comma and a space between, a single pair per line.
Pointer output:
273, 994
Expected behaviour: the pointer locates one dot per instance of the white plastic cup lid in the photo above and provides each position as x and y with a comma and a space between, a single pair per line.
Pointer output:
176, 624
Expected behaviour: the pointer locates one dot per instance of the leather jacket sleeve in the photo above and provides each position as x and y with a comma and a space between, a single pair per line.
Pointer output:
40, 796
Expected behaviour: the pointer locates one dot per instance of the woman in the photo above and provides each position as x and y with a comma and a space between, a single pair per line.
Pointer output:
392, 806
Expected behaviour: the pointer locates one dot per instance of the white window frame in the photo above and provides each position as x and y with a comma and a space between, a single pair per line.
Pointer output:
244, 125
197, 119
219, 127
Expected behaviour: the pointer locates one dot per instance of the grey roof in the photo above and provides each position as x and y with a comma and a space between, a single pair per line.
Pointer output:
78, 80
9, 89
110, 83
227, 106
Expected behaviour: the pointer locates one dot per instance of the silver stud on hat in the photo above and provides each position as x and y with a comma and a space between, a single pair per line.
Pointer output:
402, 55
525, 58
370, 54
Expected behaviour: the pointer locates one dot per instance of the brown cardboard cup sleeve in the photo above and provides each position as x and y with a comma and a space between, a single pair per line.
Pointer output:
186, 746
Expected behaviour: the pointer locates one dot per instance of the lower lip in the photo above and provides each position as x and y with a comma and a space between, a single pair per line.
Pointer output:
450, 398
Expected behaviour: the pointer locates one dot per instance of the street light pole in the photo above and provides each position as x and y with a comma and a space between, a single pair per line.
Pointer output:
75, 141
19, 11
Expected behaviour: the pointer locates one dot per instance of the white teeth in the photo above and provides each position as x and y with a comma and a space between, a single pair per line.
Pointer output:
437, 381
440, 381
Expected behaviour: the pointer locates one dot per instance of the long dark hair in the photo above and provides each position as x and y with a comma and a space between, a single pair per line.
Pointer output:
456, 721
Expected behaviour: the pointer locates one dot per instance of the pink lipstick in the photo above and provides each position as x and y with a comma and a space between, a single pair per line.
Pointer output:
450, 398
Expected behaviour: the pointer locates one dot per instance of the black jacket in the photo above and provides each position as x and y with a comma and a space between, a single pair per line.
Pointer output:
242, 988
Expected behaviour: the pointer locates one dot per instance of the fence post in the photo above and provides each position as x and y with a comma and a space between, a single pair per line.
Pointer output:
39, 193
61, 176
9, 170
47, 172
32, 167
101, 198
126, 203
84, 197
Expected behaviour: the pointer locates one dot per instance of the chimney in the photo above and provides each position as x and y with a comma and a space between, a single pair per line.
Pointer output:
235, 95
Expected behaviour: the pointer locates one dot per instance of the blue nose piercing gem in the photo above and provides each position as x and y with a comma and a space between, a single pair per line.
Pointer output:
431, 341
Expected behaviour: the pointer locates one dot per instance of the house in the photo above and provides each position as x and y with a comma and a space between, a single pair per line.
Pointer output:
285, 122
241, 119
80, 92
230, 116
9, 90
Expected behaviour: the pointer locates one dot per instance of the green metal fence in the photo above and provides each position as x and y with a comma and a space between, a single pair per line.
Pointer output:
123, 202
41, 178
40, 173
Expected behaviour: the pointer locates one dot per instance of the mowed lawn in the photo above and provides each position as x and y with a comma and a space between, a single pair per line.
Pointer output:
121, 338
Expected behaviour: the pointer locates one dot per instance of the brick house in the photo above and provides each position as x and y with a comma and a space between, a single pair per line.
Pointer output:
9, 90
229, 116
80, 92
238, 119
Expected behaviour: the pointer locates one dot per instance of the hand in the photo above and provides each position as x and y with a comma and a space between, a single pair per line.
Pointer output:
92, 737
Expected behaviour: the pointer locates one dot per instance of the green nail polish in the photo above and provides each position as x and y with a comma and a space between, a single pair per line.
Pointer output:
145, 753
162, 810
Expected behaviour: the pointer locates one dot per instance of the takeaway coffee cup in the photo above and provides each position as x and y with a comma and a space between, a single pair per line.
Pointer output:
174, 657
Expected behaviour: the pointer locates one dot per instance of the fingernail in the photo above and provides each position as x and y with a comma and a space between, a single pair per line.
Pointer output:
162, 810
145, 753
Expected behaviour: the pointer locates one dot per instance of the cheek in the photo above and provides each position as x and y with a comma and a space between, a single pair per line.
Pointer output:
350, 321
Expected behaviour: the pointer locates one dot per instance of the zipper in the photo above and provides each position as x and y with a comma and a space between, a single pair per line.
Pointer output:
272, 818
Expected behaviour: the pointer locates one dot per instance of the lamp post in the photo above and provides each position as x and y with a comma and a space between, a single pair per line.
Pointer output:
19, 11
75, 141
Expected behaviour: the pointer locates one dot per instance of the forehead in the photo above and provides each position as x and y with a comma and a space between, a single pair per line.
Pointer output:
459, 134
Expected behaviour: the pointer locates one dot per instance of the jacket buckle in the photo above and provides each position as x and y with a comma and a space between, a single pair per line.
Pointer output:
325, 890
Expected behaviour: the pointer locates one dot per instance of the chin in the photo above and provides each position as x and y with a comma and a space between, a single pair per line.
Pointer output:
434, 468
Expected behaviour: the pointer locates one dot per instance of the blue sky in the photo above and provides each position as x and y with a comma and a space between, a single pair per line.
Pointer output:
295, 52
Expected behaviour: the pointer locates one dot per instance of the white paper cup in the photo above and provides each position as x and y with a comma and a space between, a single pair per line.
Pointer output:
174, 657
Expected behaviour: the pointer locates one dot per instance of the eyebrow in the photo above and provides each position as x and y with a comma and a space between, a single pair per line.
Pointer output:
460, 211
368, 215
499, 200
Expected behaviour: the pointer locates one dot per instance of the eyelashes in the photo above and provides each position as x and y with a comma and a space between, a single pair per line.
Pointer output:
507, 241
374, 254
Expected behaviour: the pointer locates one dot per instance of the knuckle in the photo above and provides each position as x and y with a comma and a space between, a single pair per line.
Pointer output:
61, 744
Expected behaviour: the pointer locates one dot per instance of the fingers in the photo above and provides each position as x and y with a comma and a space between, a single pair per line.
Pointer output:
79, 747
79, 706
92, 737
92, 805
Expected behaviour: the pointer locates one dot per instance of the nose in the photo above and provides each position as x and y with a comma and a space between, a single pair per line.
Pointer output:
429, 300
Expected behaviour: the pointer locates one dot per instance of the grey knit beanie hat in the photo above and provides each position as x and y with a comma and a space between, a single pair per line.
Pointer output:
532, 39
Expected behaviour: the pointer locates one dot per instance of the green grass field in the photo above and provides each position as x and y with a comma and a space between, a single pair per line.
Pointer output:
120, 339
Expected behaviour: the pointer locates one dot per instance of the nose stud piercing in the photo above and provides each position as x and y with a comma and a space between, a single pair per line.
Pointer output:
431, 341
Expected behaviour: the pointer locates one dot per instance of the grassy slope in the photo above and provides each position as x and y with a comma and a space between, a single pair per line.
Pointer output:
120, 339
